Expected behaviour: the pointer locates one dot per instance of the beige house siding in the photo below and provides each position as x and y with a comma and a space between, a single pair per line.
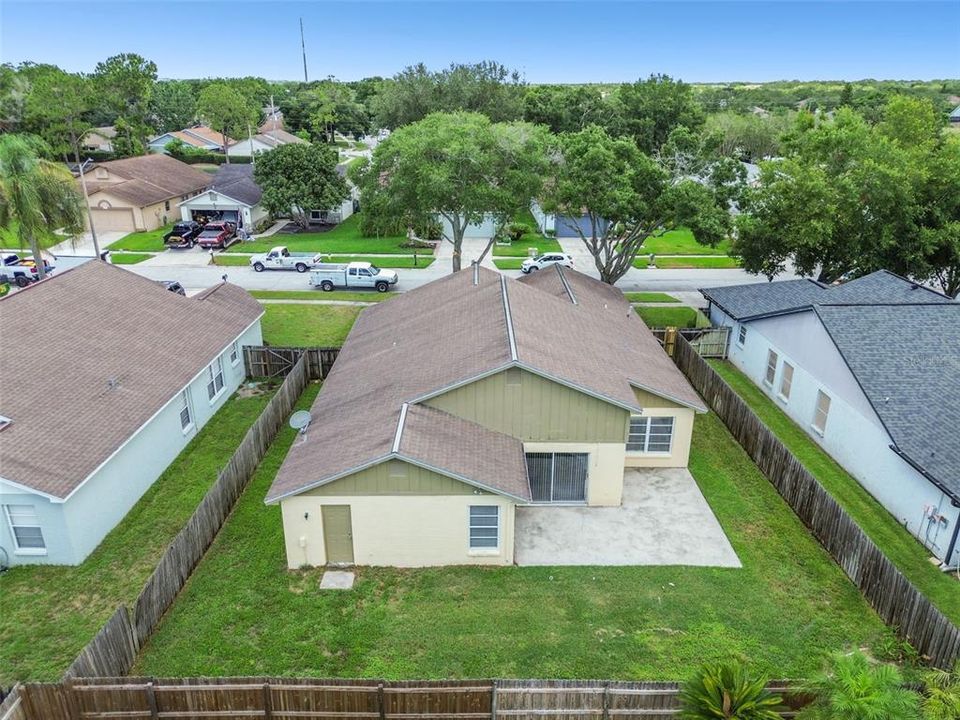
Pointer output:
149, 217
604, 468
394, 477
534, 409
656, 406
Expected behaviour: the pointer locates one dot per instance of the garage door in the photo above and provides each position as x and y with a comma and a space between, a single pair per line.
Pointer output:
114, 219
558, 477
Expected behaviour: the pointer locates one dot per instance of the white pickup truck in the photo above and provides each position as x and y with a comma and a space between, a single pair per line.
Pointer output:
328, 276
281, 259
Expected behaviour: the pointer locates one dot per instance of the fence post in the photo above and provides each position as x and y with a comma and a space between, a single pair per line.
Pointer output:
493, 700
606, 701
152, 701
267, 702
380, 702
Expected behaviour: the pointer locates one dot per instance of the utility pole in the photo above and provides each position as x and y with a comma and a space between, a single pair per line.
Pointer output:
86, 201
303, 47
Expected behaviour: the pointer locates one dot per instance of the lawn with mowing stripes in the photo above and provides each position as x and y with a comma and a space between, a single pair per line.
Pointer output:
896, 542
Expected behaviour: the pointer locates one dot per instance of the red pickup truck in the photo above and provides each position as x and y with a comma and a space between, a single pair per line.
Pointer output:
217, 235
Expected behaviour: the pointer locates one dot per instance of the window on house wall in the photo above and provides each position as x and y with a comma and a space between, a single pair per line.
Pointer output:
484, 527
786, 381
742, 335
186, 416
650, 434
166, 205
25, 527
215, 378
771, 367
234, 353
821, 412
558, 477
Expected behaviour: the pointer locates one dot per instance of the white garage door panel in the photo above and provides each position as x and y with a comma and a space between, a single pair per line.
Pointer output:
118, 220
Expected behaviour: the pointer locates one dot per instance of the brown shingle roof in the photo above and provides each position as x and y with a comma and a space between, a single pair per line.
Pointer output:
99, 323
453, 331
149, 179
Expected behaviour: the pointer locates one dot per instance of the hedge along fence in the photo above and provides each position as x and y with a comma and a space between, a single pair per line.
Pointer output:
895, 599
114, 648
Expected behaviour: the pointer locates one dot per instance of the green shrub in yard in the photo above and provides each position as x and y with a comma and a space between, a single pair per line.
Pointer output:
728, 691
941, 694
853, 688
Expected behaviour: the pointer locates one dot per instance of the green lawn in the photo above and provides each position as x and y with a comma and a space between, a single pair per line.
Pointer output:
48, 613
682, 242
679, 262
308, 325
222, 259
682, 316
508, 263
521, 248
344, 238
370, 296
656, 297
244, 613
128, 258
423, 261
150, 241
898, 544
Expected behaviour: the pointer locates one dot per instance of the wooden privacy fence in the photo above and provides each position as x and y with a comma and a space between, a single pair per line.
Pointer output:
12, 707
895, 599
114, 648
269, 361
289, 698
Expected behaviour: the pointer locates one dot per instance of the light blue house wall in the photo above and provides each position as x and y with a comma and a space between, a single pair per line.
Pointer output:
73, 528
854, 435
564, 226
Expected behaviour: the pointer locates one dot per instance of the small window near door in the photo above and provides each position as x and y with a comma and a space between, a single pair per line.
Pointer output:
786, 381
25, 528
821, 412
742, 335
234, 353
186, 417
771, 368
484, 527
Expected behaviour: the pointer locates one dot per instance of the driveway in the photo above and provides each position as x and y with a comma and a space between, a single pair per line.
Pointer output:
664, 520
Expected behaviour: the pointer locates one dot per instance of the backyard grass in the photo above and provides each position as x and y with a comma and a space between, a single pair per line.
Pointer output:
344, 238
243, 613
904, 551
682, 242
656, 297
48, 613
150, 241
681, 316
371, 296
306, 325
680, 262
128, 258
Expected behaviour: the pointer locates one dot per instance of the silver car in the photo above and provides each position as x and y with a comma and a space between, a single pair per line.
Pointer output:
545, 260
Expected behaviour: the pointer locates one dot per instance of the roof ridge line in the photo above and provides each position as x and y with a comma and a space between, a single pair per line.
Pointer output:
566, 285
509, 319
396, 438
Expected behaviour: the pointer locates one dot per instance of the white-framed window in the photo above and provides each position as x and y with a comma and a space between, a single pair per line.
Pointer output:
484, 527
215, 379
25, 528
234, 353
650, 434
821, 412
786, 381
186, 413
771, 372
742, 335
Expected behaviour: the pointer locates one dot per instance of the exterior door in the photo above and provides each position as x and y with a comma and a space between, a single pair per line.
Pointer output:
558, 477
337, 534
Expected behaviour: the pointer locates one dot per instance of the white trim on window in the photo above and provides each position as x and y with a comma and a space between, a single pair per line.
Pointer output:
650, 435
771, 372
786, 382
821, 412
741, 335
479, 527
25, 530
215, 379
186, 412
234, 353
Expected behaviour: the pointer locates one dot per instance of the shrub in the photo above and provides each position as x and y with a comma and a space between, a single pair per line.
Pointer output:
727, 691
854, 689
941, 694
517, 230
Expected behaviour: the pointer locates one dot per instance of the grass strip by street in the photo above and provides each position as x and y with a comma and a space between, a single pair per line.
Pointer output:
128, 258
371, 296
508, 263
682, 242
308, 325
51, 611
898, 545
422, 261
652, 297
521, 248
680, 316
149, 241
344, 238
787, 607
679, 262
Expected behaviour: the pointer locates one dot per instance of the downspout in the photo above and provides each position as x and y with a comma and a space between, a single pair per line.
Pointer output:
950, 548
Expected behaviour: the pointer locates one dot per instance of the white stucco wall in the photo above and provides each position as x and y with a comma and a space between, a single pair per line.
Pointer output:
854, 435
73, 529
604, 467
485, 229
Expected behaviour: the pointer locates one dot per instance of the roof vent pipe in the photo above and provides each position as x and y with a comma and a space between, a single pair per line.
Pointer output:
476, 272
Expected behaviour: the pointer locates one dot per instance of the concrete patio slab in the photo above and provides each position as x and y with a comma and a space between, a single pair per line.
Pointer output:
664, 520
337, 580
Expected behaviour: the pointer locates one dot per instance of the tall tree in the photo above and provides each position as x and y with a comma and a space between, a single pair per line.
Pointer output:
36, 196
57, 105
627, 197
226, 111
298, 178
124, 83
568, 108
173, 105
652, 108
459, 165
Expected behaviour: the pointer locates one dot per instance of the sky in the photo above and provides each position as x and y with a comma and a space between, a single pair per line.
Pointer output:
546, 41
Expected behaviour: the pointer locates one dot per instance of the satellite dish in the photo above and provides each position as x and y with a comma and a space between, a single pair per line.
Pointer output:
300, 420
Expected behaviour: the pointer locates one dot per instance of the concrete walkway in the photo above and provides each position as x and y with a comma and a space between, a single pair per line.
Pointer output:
664, 520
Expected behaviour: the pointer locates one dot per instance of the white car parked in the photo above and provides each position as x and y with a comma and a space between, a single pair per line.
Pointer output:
546, 260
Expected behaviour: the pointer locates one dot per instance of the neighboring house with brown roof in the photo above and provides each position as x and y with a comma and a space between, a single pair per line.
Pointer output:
452, 404
121, 378
140, 193
233, 196
199, 136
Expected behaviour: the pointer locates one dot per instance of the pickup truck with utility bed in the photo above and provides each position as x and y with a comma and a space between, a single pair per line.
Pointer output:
328, 276
279, 258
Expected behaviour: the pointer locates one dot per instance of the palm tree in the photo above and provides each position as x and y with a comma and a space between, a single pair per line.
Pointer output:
727, 692
941, 694
36, 196
854, 689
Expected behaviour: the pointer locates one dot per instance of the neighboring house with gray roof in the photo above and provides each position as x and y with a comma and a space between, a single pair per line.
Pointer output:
121, 378
453, 403
870, 369
233, 196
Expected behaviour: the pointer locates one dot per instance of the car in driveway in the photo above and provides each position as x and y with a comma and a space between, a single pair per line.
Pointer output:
217, 235
546, 260
183, 234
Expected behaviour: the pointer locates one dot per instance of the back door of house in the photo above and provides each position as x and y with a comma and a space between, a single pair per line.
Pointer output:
337, 534
558, 477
